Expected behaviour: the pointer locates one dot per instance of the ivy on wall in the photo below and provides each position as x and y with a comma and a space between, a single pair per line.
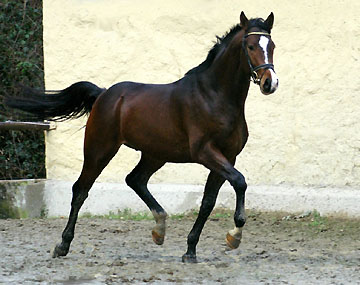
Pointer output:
22, 153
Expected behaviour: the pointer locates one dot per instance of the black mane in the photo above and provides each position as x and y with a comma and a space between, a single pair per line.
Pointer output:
224, 40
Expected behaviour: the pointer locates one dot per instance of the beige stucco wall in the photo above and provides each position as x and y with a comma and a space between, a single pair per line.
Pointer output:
307, 133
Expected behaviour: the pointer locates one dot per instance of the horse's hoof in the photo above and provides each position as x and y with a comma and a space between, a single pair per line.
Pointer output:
158, 239
59, 251
232, 242
189, 258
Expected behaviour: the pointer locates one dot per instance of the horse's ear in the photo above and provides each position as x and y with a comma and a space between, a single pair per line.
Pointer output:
270, 20
243, 20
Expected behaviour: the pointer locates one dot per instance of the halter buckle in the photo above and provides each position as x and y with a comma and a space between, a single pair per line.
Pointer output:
255, 78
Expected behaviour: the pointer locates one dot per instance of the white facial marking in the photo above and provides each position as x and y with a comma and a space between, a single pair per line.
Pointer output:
263, 42
274, 80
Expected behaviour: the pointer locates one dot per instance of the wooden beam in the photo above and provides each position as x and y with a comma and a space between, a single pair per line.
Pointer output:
12, 125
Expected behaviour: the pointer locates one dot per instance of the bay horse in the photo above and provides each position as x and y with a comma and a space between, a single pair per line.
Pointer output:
197, 119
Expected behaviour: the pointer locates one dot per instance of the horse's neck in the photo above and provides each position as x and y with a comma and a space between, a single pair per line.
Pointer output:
230, 77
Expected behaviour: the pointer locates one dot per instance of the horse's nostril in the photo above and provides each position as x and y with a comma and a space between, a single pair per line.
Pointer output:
267, 85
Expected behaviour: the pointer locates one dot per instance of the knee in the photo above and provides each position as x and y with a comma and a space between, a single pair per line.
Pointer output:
239, 183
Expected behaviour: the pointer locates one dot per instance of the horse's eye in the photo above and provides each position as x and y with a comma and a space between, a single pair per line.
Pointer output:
251, 47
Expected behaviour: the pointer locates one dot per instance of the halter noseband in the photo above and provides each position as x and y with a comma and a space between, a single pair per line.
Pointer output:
253, 70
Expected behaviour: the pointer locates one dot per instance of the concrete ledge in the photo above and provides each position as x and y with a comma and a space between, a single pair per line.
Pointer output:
52, 198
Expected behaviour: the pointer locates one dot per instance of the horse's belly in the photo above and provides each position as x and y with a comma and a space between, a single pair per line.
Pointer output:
169, 151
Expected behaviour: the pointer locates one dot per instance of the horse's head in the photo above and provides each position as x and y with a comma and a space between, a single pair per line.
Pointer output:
259, 48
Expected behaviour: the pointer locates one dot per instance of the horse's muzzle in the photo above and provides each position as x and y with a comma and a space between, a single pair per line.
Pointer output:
269, 82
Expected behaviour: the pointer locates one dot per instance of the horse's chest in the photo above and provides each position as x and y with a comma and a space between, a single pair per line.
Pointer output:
234, 139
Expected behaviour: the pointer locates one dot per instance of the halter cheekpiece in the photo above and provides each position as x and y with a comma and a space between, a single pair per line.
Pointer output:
254, 76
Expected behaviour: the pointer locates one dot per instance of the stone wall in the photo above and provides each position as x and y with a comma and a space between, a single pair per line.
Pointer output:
306, 134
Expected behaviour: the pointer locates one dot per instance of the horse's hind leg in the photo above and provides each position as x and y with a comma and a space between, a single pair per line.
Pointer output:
96, 156
137, 180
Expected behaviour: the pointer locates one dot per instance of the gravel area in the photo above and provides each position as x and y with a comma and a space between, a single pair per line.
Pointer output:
277, 248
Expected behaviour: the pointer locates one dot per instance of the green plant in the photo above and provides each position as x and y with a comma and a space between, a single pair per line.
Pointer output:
21, 154
224, 215
21, 63
177, 216
317, 220
126, 214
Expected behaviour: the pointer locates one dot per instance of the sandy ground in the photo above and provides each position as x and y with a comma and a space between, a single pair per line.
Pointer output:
276, 249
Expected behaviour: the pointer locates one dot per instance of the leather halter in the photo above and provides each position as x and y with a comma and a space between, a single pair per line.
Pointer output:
254, 76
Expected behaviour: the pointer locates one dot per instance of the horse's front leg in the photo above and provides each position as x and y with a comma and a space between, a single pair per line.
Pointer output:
233, 237
213, 159
212, 187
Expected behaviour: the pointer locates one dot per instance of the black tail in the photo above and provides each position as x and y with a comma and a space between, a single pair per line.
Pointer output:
72, 102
